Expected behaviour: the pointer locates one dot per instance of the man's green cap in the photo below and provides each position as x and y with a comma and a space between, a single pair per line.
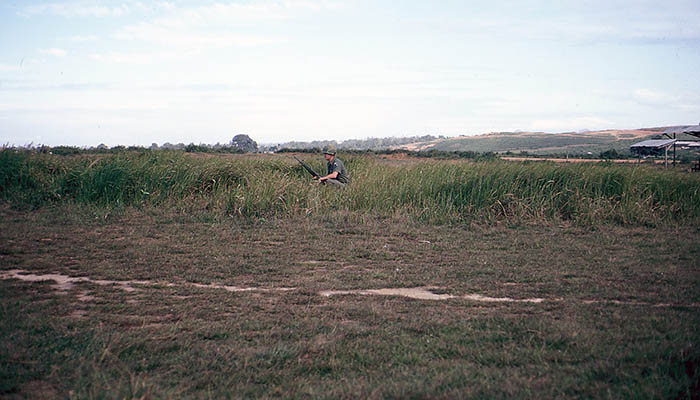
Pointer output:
329, 150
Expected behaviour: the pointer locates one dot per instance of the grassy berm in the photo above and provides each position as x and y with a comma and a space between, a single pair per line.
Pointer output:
173, 276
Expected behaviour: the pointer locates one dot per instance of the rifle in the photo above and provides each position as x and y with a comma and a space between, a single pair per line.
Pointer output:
307, 168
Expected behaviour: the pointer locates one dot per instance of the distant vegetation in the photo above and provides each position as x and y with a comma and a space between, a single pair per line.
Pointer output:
357, 144
539, 144
238, 145
612, 144
437, 154
534, 143
605, 145
602, 144
244, 144
428, 190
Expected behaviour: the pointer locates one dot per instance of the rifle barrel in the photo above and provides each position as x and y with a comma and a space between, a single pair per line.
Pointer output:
307, 168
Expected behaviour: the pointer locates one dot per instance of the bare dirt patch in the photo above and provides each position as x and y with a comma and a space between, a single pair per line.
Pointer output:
420, 293
78, 314
478, 297
65, 283
241, 289
427, 293
85, 297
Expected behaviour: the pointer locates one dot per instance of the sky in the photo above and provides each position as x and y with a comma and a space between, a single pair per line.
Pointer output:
128, 72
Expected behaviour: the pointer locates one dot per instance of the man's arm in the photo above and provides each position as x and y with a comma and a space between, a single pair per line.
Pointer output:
332, 175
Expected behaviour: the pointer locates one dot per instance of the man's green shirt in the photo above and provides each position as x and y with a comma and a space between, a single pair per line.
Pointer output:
337, 165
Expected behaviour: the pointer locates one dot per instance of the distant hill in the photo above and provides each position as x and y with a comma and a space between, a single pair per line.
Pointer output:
535, 143
541, 143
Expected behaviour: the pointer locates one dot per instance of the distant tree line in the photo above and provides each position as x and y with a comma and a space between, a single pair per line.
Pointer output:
440, 154
239, 144
243, 144
356, 144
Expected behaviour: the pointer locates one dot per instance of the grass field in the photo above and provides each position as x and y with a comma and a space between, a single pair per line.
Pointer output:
213, 276
431, 191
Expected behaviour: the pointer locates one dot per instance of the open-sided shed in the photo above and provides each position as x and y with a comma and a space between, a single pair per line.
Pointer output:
692, 130
658, 146
653, 147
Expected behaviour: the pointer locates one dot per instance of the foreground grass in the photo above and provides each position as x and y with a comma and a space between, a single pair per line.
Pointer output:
620, 317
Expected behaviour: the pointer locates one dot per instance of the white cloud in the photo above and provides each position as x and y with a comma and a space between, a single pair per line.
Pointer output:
653, 97
188, 37
95, 8
9, 68
76, 9
687, 102
569, 124
612, 29
586, 22
214, 25
128, 58
54, 52
689, 107
82, 38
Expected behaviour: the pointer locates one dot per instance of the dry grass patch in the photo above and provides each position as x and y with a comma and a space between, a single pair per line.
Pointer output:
182, 334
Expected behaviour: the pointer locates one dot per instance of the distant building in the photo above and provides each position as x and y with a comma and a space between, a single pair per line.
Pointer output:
656, 147
692, 130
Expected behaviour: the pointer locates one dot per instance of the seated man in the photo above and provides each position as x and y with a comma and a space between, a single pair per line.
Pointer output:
337, 174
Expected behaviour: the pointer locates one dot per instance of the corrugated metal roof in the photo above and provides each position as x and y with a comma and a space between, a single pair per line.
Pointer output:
687, 143
654, 144
689, 129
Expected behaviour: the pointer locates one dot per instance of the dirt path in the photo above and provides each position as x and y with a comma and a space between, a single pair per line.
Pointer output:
65, 283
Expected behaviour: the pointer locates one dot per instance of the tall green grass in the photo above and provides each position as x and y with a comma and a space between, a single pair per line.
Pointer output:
584, 193
429, 190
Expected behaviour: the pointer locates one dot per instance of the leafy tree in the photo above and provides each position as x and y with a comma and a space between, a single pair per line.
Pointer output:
244, 143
